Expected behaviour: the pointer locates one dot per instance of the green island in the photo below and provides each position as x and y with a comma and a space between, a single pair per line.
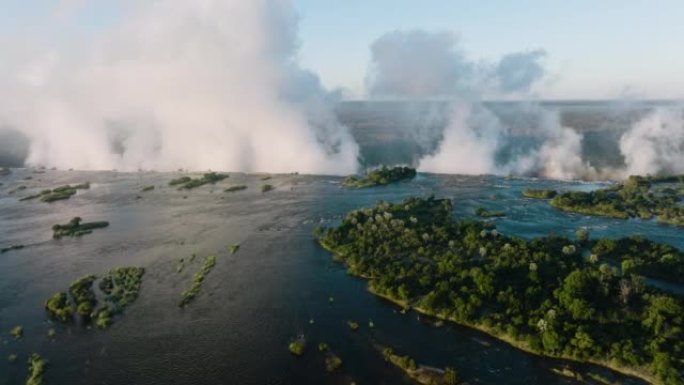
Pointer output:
637, 197
58, 194
234, 248
36, 369
266, 188
197, 280
10, 248
484, 213
297, 346
381, 177
117, 290
332, 360
539, 194
187, 183
17, 332
235, 188
422, 374
76, 229
539, 295
146, 188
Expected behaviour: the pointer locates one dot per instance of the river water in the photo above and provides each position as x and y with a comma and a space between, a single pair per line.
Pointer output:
273, 289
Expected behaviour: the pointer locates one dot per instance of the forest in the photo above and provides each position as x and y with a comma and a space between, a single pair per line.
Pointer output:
552, 296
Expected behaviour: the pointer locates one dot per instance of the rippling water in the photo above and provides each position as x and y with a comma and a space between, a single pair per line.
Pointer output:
253, 302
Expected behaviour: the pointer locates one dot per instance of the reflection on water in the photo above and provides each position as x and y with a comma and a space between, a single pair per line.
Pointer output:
273, 289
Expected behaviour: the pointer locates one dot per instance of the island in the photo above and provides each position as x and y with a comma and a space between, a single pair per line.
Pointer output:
381, 177
118, 289
637, 197
297, 346
422, 374
36, 369
484, 213
541, 295
187, 183
58, 193
76, 229
539, 194
235, 188
197, 280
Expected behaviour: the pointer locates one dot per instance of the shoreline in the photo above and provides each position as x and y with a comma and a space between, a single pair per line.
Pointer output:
520, 345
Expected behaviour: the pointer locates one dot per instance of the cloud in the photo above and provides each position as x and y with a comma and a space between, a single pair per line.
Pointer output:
208, 84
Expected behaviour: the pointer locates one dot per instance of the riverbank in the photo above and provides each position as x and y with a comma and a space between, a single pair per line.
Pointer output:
521, 345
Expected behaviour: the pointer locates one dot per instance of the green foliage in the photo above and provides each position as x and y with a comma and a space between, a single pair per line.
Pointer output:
539, 194
234, 248
642, 256
187, 183
36, 369
484, 213
298, 346
381, 177
353, 325
634, 198
332, 362
541, 293
119, 288
59, 307
59, 193
197, 280
75, 228
17, 332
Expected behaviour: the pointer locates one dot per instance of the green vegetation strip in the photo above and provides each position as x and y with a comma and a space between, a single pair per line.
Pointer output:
36, 369
637, 197
197, 280
423, 374
540, 295
381, 177
187, 183
57, 194
75, 228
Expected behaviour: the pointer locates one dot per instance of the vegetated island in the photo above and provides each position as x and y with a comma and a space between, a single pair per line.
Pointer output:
539, 295
381, 177
117, 290
58, 194
235, 188
484, 213
187, 183
637, 197
539, 194
76, 229
197, 280
36, 369
423, 374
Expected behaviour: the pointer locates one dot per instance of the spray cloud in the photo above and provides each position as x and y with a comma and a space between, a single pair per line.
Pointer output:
208, 84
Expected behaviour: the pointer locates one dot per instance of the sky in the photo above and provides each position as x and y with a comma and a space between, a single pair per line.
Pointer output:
595, 49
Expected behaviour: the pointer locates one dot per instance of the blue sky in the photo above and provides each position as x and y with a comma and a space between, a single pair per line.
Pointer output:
596, 49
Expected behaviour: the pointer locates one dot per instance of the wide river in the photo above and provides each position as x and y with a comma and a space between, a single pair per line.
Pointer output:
273, 289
